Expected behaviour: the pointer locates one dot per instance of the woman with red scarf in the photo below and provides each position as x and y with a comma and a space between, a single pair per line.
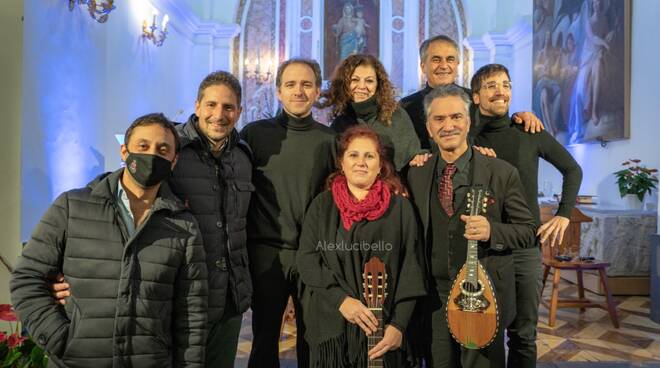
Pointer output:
362, 214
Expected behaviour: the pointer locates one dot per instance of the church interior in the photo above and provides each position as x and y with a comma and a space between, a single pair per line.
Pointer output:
77, 72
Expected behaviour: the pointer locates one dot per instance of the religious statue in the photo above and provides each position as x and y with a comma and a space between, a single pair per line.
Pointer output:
350, 31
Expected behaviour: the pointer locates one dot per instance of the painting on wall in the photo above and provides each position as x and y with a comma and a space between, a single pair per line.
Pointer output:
582, 69
350, 27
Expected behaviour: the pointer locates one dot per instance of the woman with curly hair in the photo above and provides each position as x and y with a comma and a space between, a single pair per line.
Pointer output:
360, 216
361, 93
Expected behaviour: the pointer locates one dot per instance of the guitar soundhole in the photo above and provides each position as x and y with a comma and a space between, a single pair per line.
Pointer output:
471, 298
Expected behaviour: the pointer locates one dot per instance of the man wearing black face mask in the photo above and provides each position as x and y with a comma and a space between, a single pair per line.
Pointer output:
213, 179
133, 257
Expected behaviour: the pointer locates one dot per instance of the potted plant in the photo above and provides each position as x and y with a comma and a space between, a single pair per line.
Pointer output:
16, 350
634, 182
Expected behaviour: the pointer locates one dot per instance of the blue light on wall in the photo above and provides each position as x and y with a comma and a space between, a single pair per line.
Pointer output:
61, 110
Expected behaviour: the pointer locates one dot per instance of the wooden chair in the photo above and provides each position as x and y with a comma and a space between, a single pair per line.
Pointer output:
571, 246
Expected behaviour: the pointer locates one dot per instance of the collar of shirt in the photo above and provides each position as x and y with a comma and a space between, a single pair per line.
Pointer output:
462, 163
125, 208
218, 153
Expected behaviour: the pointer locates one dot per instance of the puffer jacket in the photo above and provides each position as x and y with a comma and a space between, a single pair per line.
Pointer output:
136, 301
218, 194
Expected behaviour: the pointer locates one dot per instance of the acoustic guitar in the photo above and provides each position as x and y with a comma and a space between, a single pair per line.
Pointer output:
472, 313
375, 291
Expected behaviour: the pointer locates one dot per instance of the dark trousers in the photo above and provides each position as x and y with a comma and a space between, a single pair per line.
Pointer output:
522, 331
442, 351
274, 278
223, 337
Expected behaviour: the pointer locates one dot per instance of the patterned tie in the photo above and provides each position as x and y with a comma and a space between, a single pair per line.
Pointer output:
446, 189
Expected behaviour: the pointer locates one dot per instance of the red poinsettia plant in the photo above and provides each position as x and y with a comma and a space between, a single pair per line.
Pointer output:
16, 350
636, 179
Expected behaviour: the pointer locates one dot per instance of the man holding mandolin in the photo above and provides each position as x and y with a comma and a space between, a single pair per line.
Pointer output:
474, 214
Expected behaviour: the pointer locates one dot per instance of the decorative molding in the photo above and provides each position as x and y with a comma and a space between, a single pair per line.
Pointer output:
385, 34
520, 34
403, 24
460, 35
501, 44
482, 48
427, 11
293, 29
411, 77
311, 24
317, 34
186, 23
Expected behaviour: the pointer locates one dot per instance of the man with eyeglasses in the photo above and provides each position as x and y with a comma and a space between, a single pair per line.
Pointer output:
491, 93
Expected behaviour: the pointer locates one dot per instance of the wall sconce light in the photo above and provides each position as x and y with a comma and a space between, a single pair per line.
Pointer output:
99, 11
255, 71
151, 32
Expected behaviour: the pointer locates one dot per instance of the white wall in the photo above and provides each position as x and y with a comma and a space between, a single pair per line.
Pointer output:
84, 82
11, 39
599, 163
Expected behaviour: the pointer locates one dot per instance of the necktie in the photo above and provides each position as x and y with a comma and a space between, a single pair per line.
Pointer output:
446, 189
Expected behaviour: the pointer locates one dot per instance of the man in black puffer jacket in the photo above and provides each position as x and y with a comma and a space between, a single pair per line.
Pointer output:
213, 179
133, 257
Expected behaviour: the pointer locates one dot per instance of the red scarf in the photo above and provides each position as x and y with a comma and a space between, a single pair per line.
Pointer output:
372, 207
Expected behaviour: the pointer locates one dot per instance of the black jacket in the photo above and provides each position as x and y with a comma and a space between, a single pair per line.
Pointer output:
218, 194
512, 224
137, 301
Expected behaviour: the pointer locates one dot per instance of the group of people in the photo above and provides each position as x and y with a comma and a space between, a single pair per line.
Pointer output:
154, 264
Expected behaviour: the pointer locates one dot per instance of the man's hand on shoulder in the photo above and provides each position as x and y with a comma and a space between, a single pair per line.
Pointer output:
420, 160
530, 121
486, 151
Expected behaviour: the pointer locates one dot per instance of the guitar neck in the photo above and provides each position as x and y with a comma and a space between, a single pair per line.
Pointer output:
472, 262
374, 339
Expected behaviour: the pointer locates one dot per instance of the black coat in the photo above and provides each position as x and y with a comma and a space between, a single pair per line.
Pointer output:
137, 301
331, 268
512, 224
219, 196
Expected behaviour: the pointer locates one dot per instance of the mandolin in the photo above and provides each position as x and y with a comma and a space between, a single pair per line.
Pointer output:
375, 291
472, 313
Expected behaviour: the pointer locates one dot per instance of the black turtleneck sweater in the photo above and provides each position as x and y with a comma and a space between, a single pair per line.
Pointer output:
523, 150
291, 160
398, 135
414, 106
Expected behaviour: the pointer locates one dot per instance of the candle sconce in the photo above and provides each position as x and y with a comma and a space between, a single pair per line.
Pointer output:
151, 32
259, 73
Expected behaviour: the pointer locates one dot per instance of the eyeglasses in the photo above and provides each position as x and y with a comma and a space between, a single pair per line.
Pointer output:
492, 86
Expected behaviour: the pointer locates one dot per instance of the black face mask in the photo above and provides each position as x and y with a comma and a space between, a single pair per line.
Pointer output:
148, 170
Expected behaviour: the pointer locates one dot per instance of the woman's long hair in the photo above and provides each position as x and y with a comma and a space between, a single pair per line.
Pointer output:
339, 94
387, 172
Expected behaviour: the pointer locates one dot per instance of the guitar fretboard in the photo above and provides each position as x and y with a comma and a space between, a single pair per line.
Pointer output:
374, 339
